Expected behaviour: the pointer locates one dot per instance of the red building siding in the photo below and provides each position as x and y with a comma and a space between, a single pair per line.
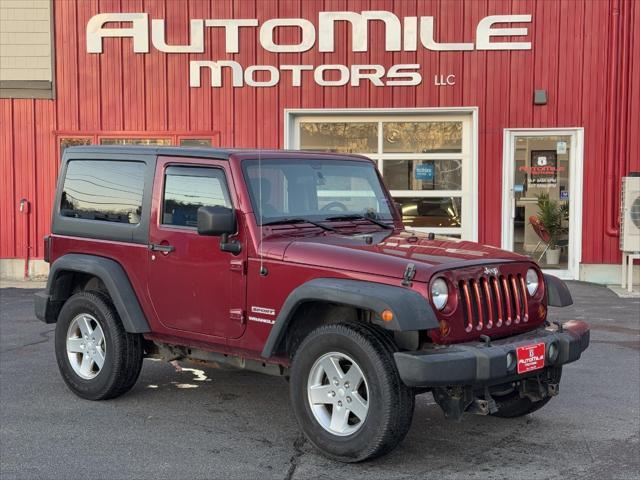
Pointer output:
582, 54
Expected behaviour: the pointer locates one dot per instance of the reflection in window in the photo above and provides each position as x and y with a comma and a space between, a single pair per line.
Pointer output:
109, 191
431, 212
423, 174
188, 188
343, 137
73, 142
195, 142
337, 193
135, 141
422, 137
314, 189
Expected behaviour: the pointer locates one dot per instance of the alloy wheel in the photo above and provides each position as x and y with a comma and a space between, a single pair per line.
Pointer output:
86, 347
338, 394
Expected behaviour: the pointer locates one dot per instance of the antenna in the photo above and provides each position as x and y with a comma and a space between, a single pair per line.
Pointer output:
263, 271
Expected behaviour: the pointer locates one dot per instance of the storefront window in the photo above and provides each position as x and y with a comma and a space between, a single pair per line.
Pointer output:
340, 137
135, 141
73, 142
195, 142
425, 161
422, 137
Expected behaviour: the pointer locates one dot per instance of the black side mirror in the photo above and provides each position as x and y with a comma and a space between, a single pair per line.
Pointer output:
216, 221
219, 221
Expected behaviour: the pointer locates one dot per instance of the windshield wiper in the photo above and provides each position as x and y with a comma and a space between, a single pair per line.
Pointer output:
357, 216
283, 221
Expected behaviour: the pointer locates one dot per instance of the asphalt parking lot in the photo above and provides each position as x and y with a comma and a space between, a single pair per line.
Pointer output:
222, 424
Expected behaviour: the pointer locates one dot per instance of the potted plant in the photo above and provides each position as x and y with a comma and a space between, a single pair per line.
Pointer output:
551, 214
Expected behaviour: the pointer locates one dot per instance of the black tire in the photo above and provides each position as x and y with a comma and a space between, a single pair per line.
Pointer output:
123, 351
390, 402
511, 405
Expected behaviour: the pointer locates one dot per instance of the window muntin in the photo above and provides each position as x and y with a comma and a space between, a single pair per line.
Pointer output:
108, 191
188, 188
314, 189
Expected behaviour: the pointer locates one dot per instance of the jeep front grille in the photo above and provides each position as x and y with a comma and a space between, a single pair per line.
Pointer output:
489, 302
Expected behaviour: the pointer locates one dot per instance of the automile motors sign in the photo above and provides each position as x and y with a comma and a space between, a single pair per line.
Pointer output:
401, 35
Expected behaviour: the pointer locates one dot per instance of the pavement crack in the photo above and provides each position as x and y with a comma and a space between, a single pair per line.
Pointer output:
294, 461
45, 338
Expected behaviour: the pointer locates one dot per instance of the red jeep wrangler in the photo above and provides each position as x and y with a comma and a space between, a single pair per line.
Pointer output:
294, 264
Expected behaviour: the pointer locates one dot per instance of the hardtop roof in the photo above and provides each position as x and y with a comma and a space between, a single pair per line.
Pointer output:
198, 152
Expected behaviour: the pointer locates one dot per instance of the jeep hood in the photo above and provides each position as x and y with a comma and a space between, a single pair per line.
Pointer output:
387, 254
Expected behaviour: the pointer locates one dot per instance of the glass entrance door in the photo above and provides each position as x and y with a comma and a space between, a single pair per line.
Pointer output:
541, 199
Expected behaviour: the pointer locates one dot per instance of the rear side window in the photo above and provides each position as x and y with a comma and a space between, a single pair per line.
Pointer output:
188, 188
108, 191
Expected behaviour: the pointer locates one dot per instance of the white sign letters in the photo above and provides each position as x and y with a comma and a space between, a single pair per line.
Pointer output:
407, 35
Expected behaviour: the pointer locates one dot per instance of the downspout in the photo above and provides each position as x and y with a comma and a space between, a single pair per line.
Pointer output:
25, 210
611, 226
626, 17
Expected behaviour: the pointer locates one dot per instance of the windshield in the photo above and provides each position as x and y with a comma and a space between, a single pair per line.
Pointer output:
314, 189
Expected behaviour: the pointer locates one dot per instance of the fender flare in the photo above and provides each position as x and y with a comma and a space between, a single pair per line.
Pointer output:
411, 311
558, 294
115, 280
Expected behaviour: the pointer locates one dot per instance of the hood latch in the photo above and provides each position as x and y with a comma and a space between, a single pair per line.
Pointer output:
409, 273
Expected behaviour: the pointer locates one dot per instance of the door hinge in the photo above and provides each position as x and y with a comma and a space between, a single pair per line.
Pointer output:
237, 314
237, 265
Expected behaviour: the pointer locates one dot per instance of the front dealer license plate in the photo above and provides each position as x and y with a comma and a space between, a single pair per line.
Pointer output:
530, 357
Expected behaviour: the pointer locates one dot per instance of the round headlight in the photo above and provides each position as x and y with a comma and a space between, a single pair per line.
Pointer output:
532, 281
439, 293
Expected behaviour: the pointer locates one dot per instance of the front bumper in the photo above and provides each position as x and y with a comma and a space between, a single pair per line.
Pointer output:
486, 364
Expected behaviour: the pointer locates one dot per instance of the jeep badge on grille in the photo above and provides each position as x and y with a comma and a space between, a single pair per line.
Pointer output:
491, 271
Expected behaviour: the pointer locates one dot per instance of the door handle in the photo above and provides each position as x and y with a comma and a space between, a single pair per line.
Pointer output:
155, 247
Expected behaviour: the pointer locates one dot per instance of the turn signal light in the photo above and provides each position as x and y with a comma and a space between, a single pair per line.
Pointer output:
542, 312
445, 329
387, 315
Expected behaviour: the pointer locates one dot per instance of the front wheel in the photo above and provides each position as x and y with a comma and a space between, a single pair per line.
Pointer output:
346, 392
97, 358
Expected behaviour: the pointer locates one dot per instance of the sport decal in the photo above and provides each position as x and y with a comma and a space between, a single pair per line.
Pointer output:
263, 310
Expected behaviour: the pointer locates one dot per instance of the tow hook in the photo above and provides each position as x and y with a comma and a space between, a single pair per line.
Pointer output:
484, 406
491, 403
455, 401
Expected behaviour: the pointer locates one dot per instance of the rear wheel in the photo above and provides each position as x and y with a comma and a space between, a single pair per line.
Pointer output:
346, 392
97, 358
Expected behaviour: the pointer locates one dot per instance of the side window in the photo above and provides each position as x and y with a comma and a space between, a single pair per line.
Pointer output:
105, 190
188, 188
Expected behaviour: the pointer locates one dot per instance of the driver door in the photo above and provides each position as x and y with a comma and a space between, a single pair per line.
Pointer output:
195, 288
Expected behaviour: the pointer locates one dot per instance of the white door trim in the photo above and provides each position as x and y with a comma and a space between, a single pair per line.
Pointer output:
575, 188
292, 136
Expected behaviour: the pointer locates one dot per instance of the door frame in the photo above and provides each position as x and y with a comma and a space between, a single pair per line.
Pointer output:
291, 138
575, 188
